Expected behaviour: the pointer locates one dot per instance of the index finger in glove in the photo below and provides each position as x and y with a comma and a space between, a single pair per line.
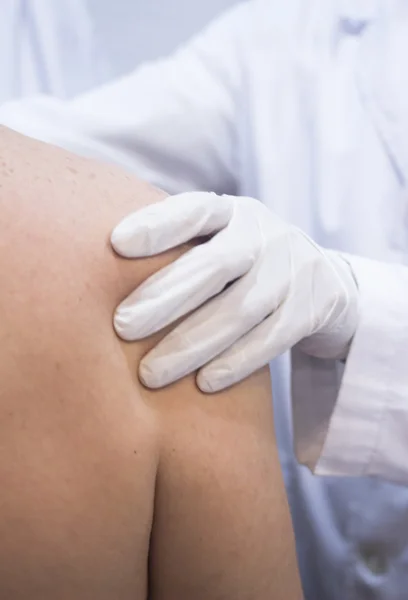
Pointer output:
170, 223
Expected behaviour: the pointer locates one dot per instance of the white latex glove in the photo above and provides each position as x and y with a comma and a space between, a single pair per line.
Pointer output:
285, 290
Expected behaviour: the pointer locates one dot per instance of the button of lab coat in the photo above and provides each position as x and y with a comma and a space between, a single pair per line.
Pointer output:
358, 10
374, 559
355, 16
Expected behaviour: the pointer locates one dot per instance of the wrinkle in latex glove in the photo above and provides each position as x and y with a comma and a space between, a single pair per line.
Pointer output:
285, 290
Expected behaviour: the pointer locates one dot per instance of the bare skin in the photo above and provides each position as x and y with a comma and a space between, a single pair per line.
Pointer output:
108, 490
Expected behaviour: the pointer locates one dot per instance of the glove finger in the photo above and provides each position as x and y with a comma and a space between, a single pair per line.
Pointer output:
211, 329
275, 335
186, 284
164, 225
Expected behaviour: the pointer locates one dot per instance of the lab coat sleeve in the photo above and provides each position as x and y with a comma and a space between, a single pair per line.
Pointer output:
172, 122
352, 419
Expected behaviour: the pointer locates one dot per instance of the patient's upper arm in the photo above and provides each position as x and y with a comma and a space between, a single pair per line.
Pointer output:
93, 467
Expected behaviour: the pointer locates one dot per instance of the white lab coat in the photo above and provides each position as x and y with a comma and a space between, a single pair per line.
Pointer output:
65, 47
304, 105
49, 46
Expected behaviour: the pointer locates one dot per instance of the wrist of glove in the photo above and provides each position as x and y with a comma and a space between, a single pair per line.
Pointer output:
285, 290
333, 340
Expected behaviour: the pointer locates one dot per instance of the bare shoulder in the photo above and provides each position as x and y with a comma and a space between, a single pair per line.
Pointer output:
87, 455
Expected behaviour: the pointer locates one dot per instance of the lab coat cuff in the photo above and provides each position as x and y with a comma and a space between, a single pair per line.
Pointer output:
360, 425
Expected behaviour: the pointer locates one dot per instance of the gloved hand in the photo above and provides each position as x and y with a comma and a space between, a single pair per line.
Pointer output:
284, 290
